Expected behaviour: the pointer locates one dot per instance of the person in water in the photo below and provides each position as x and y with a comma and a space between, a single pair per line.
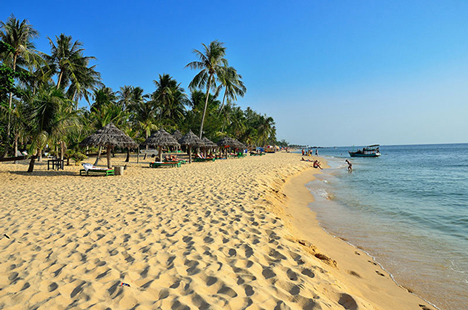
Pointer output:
350, 166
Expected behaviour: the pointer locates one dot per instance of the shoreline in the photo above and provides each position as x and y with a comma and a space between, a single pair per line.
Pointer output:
224, 235
304, 223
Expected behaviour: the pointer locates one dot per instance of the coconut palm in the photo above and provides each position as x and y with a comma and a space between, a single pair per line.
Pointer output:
49, 115
232, 83
125, 96
67, 60
211, 63
85, 81
18, 35
266, 127
170, 100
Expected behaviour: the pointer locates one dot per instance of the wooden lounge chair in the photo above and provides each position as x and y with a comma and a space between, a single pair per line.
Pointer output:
203, 159
91, 170
165, 164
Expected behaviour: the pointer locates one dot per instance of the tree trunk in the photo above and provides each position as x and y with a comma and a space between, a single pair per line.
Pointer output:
108, 156
128, 155
16, 146
59, 79
98, 156
40, 155
222, 104
7, 144
62, 149
33, 160
146, 148
206, 104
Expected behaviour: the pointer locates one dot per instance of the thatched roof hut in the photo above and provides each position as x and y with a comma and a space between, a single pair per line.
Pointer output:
161, 138
191, 140
226, 142
209, 143
109, 136
238, 144
177, 135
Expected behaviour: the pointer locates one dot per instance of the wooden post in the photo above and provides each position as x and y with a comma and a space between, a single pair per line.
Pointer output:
108, 156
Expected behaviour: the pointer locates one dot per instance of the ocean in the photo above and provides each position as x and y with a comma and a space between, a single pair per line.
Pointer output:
408, 209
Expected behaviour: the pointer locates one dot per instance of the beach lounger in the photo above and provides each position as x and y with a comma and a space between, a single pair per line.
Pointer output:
165, 164
91, 170
203, 159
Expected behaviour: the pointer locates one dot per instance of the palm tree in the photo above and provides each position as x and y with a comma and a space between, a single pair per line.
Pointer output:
211, 63
170, 100
232, 83
48, 115
19, 36
84, 83
68, 62
125, 96
143, 115
266, 127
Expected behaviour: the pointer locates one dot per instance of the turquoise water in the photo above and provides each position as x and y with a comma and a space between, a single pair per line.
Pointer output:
408, 209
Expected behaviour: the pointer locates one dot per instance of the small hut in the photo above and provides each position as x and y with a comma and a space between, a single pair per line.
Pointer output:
161, 138
109, 136
177, 135
238, 144
208, 145
226, 142
191, 140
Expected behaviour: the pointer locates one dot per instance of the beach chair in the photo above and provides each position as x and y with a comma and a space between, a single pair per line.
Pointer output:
165, 164
91, 170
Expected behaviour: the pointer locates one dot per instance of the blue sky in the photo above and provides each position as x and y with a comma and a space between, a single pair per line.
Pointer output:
329, 72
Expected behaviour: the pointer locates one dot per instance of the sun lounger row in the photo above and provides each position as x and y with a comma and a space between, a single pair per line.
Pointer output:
165, 164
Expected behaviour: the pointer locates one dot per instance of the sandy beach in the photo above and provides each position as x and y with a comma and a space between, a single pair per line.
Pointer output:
229, 234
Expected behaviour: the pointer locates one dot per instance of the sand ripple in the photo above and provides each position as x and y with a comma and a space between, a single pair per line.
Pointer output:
203, 236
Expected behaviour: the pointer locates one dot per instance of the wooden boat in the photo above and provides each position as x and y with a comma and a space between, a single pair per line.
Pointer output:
368, 151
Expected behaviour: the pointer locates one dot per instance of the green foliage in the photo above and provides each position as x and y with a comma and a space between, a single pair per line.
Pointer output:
44, 110
75, 155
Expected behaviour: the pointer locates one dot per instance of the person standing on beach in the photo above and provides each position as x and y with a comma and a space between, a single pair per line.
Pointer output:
302, 152
350, 166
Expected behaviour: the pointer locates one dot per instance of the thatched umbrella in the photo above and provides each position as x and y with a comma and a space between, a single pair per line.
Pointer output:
191, 140
109, 136
226, 142
177, 135
161, 138
238, 144
208, 144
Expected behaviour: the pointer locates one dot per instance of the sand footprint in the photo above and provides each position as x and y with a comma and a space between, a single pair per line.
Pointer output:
348, 302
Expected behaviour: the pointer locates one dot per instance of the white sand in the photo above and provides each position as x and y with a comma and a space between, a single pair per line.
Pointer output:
219, 235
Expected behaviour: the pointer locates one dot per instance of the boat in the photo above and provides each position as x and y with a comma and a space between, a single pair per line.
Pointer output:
368, 151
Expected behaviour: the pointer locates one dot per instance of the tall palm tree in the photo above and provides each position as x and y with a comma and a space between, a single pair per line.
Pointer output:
67, 60
19, 36
49, 115
125, 96
170, 100
85, 82
103, 96
232, 83
266, 127
211, 63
